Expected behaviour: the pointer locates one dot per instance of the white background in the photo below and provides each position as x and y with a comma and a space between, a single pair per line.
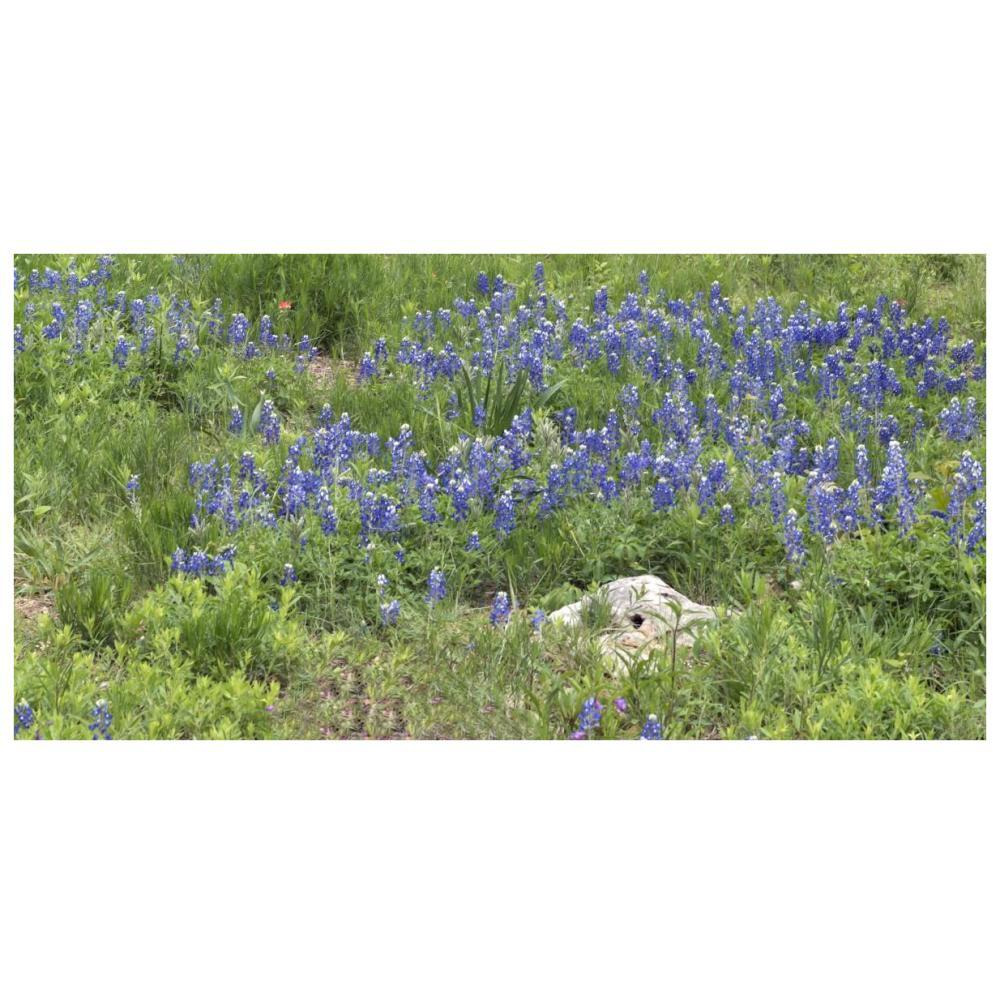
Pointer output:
498, 127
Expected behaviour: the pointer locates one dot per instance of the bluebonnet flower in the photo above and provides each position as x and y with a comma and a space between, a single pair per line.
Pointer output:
889, 428
102, 719
23, 718
777, 497
500, 613
621, 705
182, 345
426, 503
132, 487
237, 421
483, 283
289, 575
652, 730
18, 338
389, 612
608, 489
663, 496
711, 481
727, 514
977, 534
643, 282
589, 718
367, 368
121, 351
793, 539
963, 353
958, 423
198, 562
894, 487
629, 399
539, 274
382, 585
269, 423
538, 619
505, 520
472, 542
436, 587
966, 481
823, 502
862, 471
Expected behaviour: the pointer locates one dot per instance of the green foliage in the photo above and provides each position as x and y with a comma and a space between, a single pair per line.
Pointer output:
90, 606
235, 625
499, 402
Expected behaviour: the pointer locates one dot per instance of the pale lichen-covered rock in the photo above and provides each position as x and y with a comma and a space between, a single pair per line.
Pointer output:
642, 616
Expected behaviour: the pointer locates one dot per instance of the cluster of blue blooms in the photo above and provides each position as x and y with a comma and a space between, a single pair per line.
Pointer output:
99, 726
589, 719
500, 611
436, 587
199, 563
102, 719
669, 437
23, 718
773, 362
591, 713
79, 310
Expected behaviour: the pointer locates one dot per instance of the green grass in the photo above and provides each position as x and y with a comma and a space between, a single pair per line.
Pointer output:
845, 655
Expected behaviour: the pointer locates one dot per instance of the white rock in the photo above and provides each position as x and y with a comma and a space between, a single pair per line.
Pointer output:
641, 617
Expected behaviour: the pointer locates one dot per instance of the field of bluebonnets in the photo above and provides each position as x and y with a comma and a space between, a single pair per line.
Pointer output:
338, 496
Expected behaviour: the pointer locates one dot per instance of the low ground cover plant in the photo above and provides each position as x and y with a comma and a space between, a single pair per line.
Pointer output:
278, 496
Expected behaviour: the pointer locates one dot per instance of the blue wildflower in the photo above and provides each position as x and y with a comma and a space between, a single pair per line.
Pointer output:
269, 423
121, 351
500, 613
23, 718
589, 718
793, 539
102, 719
436, 587
506, 520
652, 729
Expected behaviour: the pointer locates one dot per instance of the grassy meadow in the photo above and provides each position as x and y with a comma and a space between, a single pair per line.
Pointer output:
337, 496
